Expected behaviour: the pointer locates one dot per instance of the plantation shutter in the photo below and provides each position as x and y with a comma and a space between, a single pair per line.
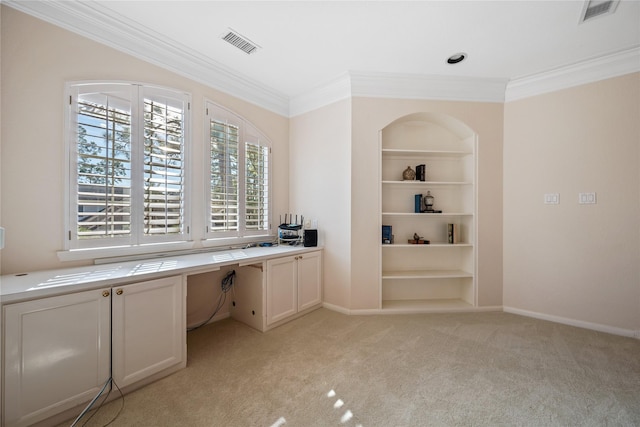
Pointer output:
103, 163
224, 201
256, 185
127, 165
239, 171
164, 165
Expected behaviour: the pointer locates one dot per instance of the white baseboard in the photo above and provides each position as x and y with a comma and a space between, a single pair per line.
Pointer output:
573, 322
542, 316
372, 311
336, 308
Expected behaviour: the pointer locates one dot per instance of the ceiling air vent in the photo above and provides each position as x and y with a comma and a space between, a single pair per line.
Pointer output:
595, 8
241, 42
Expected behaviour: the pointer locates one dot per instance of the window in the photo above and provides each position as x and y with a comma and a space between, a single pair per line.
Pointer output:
239, 174
127, 165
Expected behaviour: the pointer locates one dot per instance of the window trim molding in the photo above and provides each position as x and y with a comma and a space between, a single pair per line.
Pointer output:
242, 236
136, 246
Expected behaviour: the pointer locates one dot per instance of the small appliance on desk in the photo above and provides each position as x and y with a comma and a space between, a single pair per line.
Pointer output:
293, 233
290, 232
310, 237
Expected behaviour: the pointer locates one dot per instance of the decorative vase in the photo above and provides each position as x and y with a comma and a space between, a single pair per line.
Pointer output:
428, 202
408, 174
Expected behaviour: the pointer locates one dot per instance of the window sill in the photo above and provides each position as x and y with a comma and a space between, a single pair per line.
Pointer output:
235, 242
122, 251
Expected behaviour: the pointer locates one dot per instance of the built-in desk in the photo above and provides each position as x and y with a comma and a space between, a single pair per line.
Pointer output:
37, 284
126, 322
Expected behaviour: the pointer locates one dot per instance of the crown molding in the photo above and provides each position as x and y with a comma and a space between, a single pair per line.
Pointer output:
328, 93
600, 68
91, 20
400, 86
97, 23
436, 87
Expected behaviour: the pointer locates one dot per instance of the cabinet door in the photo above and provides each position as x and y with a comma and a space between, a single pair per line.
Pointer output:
149, 328
282, 295
309, 280
56, 354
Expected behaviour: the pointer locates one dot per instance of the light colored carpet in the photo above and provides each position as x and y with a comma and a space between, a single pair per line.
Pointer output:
328, 369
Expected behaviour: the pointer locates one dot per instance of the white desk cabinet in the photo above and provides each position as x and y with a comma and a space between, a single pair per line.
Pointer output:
149, 329
309, 275
57, 350
294, 284
57, 354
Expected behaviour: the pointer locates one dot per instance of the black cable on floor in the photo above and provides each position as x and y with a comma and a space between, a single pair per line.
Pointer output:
87, 409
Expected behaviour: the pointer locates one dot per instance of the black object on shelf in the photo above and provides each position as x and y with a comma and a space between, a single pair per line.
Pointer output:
310, 238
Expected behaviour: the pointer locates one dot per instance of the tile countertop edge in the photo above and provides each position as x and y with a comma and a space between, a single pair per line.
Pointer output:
37, 284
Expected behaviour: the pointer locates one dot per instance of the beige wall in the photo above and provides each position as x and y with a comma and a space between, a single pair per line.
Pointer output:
1, 223
369, 117
335, 158
567, 261
577, 263
37, 60
320, 188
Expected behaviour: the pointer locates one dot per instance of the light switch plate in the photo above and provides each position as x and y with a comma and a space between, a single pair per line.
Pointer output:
587, 198
552, 199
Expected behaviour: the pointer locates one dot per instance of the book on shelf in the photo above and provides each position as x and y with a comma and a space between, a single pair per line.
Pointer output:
452, 233
417, 203
421, 172
387, 237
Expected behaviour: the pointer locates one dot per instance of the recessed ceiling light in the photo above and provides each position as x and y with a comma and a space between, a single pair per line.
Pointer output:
456, 58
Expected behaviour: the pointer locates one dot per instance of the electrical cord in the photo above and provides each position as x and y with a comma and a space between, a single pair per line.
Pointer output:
87, 409
226, 285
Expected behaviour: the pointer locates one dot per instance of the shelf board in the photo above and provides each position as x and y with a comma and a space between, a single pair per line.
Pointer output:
432, 245
426, 306
414, 182
426, 274
426, 214
393, 152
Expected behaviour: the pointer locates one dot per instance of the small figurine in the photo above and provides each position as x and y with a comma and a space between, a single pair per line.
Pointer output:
417, 240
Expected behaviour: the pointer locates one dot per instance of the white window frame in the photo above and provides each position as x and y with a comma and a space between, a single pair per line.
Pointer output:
137, 242
248, 133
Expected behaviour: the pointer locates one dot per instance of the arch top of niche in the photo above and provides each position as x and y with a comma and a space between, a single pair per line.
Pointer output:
443, 131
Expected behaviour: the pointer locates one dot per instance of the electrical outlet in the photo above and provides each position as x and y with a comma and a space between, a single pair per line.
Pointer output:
307, 223
314, 224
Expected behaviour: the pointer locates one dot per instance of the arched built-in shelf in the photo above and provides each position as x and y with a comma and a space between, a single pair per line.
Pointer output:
439, 276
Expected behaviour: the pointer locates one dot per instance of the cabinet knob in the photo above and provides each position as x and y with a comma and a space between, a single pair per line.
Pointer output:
105, 293
119, 292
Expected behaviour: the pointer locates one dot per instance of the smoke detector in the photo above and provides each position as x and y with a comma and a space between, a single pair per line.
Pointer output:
240, 41
594, 8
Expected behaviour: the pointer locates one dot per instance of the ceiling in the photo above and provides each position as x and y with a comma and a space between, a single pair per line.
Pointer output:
304, 45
